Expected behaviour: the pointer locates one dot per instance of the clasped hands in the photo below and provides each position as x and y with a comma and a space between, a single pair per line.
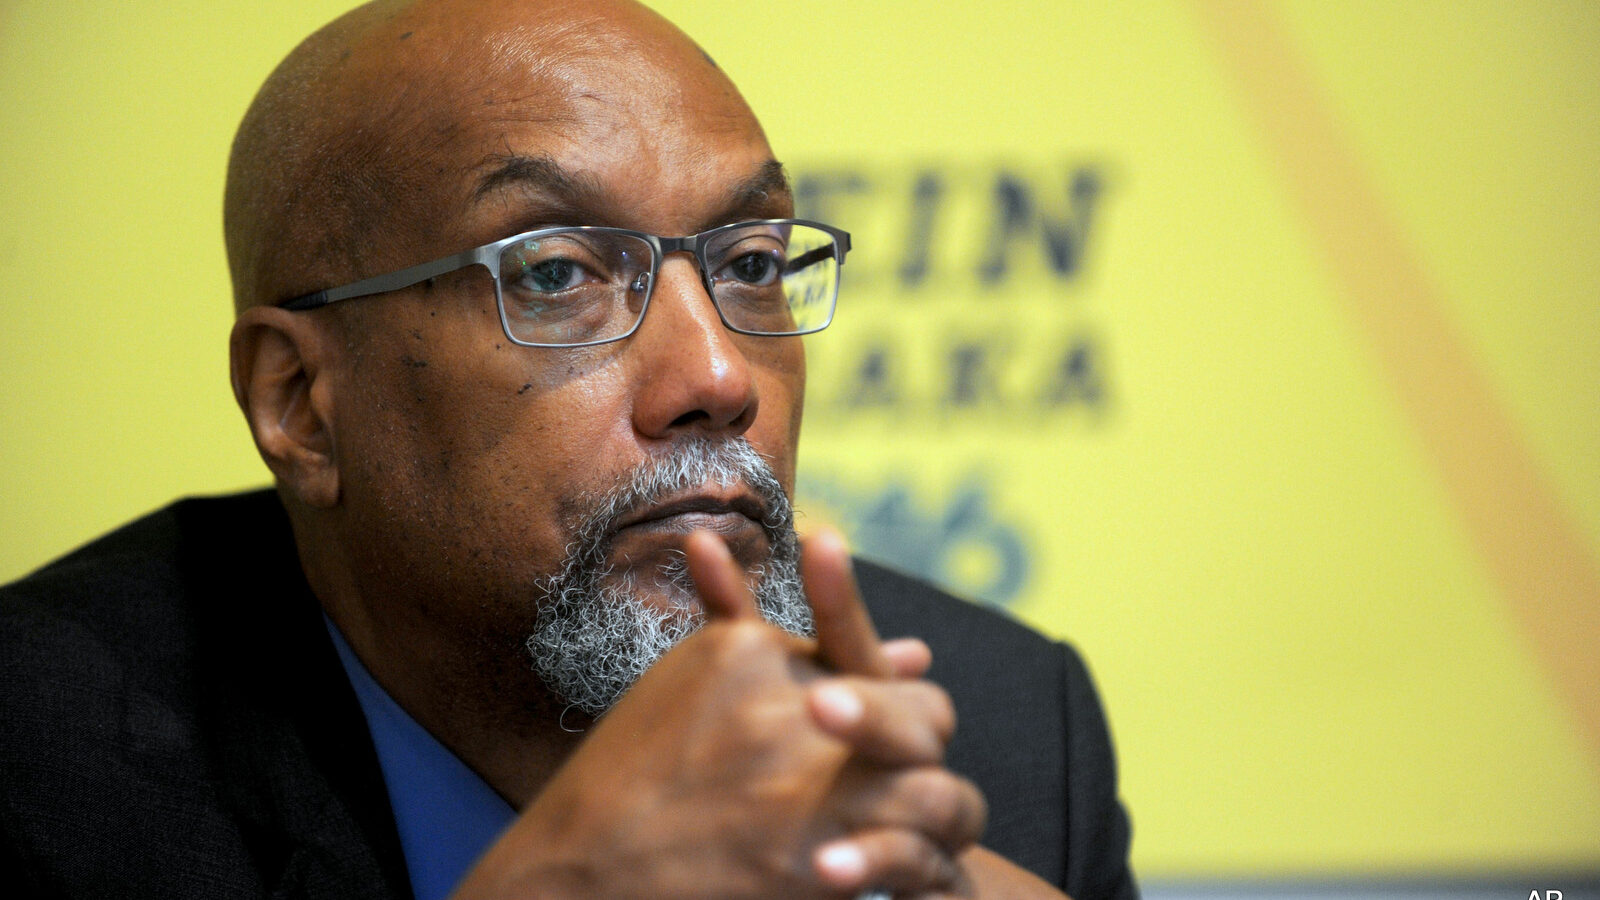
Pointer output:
751, 763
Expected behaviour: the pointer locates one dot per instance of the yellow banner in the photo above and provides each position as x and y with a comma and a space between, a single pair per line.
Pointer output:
1250, 346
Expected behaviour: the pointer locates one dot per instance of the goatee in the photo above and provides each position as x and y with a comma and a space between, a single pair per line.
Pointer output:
595, 634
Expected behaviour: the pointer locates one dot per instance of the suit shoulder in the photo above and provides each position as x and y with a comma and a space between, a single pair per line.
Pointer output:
152, 551
106, 586
121, 599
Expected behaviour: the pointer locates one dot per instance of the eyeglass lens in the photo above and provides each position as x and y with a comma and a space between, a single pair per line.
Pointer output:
580, 286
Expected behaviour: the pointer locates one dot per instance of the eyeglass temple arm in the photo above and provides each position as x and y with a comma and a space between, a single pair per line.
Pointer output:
812, 257
382, 284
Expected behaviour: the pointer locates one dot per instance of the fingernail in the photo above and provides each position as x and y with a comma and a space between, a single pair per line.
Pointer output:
842, 862
839, 704
830, 540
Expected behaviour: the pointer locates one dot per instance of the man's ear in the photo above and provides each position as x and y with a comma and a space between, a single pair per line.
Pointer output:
277, 360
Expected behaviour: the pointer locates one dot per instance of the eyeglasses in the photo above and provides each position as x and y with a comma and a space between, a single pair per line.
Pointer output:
578, 286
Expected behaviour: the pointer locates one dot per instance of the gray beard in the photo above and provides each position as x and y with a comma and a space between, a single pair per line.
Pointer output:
594, 635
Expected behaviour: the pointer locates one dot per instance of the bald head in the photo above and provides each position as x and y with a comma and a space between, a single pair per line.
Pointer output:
373, 130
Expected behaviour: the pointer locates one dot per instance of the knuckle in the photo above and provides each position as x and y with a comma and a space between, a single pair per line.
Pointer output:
941, 712
933, 867
781, 866
741, 640
947, 807
975, 813
938, 803
933, 707
908, 862
917, 718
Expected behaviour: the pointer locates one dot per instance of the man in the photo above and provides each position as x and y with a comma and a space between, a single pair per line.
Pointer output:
509, 480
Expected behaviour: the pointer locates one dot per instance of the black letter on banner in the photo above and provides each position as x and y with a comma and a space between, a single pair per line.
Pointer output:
925, 197
1078, 379
972, 377
1016, 215
873, 381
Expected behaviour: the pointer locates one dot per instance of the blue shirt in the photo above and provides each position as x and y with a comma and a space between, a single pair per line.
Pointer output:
446, 815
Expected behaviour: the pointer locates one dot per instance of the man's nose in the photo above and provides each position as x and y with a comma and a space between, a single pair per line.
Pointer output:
689, 373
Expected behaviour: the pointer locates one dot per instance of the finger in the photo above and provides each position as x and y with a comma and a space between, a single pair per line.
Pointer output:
846, 640
892, 860
895, 723
718, 579
992, 875
908, 657
948, 809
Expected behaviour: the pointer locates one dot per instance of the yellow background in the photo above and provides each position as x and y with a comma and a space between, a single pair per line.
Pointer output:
1310, 667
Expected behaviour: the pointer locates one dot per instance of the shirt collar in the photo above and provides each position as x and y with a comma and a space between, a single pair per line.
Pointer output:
445, 813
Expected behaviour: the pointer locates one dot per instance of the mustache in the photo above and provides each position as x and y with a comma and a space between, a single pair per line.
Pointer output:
593, 518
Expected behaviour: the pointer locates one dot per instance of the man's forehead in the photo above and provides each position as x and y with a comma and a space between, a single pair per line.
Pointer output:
591, 108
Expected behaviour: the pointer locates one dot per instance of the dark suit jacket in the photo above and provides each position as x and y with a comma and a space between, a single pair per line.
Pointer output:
174, 723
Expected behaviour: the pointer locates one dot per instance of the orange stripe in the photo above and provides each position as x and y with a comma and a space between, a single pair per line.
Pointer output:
1532, 548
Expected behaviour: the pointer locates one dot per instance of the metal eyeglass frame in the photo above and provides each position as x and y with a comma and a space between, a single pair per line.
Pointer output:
488, 256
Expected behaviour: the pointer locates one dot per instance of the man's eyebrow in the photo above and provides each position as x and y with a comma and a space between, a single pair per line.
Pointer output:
756, 195
540, 172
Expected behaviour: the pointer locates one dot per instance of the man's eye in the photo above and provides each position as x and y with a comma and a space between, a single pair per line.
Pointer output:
754, 268
551, 275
